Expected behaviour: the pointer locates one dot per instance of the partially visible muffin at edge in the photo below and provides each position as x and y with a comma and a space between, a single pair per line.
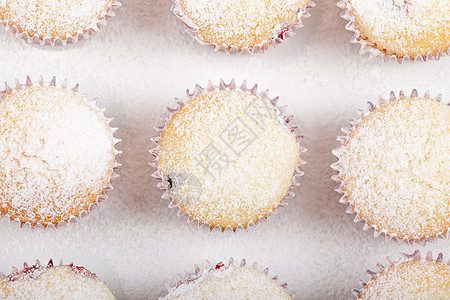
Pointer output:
56, 154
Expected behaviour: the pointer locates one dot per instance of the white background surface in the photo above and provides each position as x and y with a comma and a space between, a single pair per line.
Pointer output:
136, 65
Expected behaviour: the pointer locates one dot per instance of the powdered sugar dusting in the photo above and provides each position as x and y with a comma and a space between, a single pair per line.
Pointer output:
416, 279
404, 27
222, 162
25, 274
54, 18
56, 154
243, 23
232, 282
59, 282
395, 169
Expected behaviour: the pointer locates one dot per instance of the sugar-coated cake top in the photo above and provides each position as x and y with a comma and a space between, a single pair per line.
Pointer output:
410, 280
56, 154
61, 282
396, 170
404, 27
227, 158
54, 18
233, 282
241, 23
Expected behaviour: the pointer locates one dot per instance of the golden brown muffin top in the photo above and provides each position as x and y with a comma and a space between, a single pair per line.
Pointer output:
56, 154
233, 282
410, 280
226, 158
54, 18
241, 23
404, 27
61, 282
395, 169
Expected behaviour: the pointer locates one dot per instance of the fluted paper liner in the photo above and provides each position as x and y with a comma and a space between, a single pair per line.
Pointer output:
402, 257
27, 268
278, 37
107, 188
374, 52
198, 272
85, 34
211, 87
337, 166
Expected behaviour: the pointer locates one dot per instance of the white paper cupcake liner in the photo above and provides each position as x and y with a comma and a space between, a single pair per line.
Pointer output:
402, 257
109, 187
337, 166
279, 36
198, 272
35, 270
84, 35
374, 52
285, 120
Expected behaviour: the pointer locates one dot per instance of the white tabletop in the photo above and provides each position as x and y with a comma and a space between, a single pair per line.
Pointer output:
136, 66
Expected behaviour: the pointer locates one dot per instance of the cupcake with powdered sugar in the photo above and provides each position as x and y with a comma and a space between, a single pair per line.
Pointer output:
228, 281
242, 26
55, 21
400, 29
409, 277
394, 170
228, 157
57, 154
38, 282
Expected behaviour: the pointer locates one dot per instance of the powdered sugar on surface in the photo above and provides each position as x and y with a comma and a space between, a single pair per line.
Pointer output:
59, 282
56, 154
395, 168
232, 282
243, 23
410, 280
404, 27
54, 18
223, 167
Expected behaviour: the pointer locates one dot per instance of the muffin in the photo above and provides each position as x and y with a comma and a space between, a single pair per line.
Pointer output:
228, 282
56, 21
403, 29
394, 171
227, 157
241, 26
53, 282
410, 277
57, 153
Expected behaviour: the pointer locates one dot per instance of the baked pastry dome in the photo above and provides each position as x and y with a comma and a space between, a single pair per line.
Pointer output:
241, 24
414, 279
394, 168
227, 158
63, 282
56, 19
56, 154
229, 282
402, 27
